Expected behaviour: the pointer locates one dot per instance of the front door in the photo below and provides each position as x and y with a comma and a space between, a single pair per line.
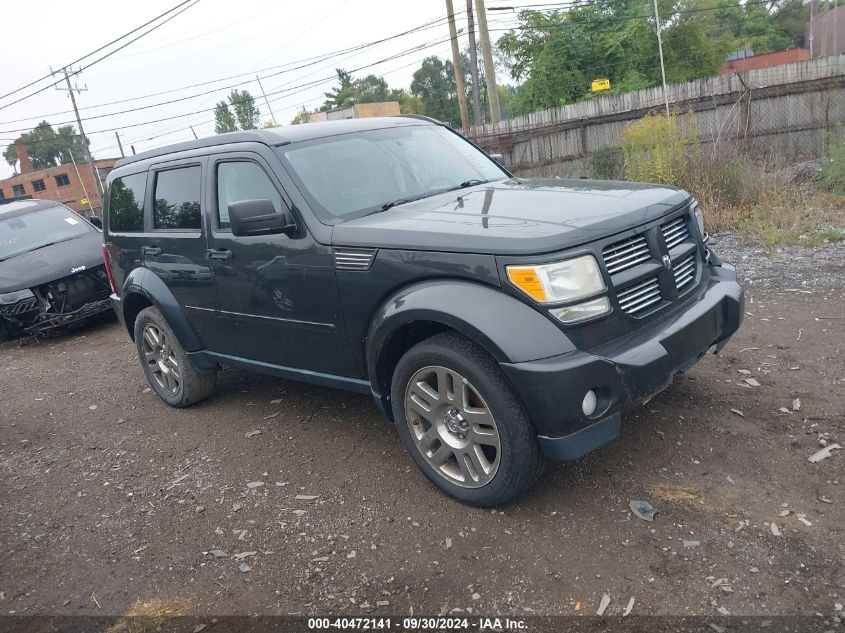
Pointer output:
278, 297
174, 243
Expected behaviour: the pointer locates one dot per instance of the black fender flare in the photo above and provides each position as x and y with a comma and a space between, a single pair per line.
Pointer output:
510, 330
146, 283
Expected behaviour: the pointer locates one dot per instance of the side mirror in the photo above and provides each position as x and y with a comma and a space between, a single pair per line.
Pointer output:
498, 158
96, 221
258, 217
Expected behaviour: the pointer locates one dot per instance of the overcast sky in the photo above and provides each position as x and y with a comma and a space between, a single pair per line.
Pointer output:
213, 40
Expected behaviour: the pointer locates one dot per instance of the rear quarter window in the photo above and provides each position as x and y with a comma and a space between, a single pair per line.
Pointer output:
126, 204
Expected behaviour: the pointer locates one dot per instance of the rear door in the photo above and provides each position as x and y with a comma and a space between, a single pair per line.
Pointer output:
278, 295
175, 244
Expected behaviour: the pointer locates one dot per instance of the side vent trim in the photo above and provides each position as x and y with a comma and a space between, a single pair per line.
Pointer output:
359, 259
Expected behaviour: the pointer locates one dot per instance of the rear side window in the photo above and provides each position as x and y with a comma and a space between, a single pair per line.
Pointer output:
126, 203
243, 180
177, 199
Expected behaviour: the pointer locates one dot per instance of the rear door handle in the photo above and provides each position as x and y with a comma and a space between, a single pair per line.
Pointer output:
152, 251
212, 253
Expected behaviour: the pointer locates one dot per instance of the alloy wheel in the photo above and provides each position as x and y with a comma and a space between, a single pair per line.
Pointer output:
161, 359
452, 426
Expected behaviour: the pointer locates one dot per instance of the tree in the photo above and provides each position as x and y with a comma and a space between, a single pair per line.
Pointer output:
434, 84
343, 95
243, 104
555, 55
408, 103
10, 154
224, 121
302, 116
47, 147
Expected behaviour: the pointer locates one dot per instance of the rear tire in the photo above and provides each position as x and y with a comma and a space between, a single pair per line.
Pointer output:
166, 365
462, 423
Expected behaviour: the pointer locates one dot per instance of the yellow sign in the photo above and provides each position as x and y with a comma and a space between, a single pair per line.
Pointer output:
601, 84
83, 201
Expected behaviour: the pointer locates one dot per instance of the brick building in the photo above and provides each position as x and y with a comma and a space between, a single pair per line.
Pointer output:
61, 183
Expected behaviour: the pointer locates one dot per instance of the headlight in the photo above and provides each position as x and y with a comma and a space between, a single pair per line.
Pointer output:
14, 297
699, 218
562, 281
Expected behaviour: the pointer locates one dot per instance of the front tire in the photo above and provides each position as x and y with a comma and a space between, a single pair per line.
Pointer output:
462, 423
166, 365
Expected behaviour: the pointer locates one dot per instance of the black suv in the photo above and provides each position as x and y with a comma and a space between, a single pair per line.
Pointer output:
494, 319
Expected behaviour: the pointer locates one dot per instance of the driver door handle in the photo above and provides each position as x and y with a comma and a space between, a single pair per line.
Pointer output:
212, 253
152, 251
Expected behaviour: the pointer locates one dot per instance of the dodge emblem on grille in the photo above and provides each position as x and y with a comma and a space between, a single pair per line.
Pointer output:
667, 262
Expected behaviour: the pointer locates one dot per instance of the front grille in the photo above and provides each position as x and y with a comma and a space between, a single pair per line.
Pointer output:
675, 232
684, 272
636, 298
27, 305
625, 254
353, 258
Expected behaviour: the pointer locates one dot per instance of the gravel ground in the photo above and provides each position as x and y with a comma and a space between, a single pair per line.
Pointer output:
110, 497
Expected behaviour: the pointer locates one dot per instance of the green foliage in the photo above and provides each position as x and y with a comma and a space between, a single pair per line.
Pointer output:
47, 147
246, 113
833, 170
303, 116
557, 54
408, 103
607, 163
224, 120
10, 155
434, 84
369, 89
656, 148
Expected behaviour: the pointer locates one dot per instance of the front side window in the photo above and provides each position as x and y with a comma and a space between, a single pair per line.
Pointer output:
126, 203
38, 229
62, 180
243, 180
177, 199
350, 175
18, 190
38, 185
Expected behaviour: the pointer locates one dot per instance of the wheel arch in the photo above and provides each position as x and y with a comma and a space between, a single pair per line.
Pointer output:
509, 330
142, 289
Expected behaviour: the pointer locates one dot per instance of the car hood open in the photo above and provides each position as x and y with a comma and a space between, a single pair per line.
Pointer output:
511, 217
42, 265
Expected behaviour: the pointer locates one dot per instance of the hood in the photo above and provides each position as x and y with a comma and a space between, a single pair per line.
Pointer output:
51, 262
513, 217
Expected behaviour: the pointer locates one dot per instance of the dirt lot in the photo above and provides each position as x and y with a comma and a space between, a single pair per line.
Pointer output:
109, 496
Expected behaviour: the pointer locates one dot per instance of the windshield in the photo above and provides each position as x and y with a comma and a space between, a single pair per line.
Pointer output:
24, 233
350, 175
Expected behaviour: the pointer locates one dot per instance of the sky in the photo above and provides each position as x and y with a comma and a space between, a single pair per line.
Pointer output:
218, 43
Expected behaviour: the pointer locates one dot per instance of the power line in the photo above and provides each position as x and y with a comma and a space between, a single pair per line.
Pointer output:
94, 52
99, 59
319, 58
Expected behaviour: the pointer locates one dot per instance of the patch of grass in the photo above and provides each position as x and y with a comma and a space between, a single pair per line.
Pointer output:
148, 616
772, 236
687, 496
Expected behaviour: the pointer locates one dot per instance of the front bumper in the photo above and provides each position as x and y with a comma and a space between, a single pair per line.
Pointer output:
624, 373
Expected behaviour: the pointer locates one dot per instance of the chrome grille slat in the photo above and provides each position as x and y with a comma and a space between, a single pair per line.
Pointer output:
625, 254
675, 232
639, 296
354, 258
685, 272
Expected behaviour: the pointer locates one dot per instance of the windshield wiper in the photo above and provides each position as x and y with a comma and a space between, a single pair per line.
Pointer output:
396, 203
470, 183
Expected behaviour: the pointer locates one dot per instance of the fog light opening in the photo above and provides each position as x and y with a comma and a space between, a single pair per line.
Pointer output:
588, 405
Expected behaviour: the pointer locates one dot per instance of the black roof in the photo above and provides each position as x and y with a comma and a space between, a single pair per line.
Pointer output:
17, 208
284, 135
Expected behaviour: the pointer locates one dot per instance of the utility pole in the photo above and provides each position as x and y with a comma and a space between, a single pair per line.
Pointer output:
94, 174
456, 62
489, 68
119, 144
266, 100
660, 48
473, 66
814, 11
